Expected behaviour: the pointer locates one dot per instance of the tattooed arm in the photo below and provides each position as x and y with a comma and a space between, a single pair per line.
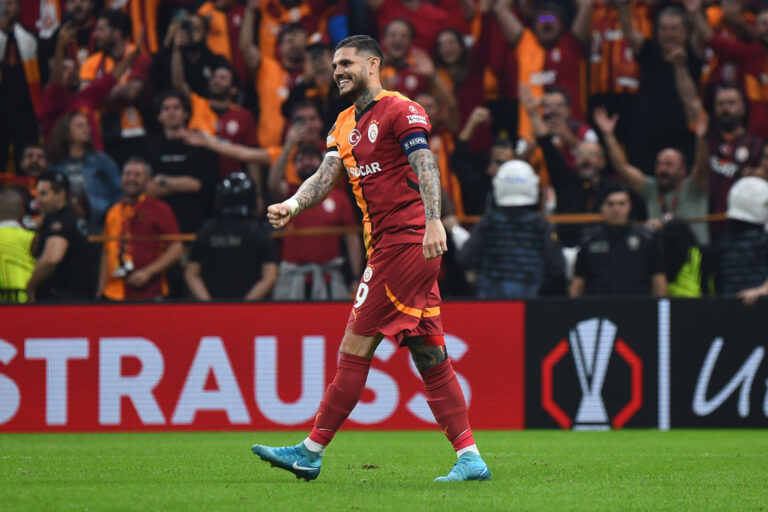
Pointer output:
423, 163
310, 193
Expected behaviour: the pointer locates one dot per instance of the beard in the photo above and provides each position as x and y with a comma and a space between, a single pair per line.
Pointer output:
666, 183
197, 46
355, 89
33, 170
728, 123
219, 95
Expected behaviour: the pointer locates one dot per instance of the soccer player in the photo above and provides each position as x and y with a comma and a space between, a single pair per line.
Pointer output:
380, 143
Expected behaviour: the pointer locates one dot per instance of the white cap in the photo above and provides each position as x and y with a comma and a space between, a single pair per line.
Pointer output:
748, 200
516, 184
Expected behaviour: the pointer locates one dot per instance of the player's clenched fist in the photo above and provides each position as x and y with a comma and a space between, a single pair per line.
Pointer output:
435, 243
278, 214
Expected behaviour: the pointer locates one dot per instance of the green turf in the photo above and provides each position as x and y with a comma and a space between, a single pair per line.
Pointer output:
532, 470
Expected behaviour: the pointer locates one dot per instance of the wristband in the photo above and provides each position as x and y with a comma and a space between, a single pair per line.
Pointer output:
293, 204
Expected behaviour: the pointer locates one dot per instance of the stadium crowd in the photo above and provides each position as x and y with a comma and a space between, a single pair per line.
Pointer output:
165, 128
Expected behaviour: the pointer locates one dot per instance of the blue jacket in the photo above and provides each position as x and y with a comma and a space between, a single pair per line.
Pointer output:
99, 176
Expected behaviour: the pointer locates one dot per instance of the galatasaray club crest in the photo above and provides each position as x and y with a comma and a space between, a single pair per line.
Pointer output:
373, 131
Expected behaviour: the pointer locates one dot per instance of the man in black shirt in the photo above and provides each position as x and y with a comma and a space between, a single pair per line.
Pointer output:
184, 175
657, 119
232, 257
64, 260
618, 258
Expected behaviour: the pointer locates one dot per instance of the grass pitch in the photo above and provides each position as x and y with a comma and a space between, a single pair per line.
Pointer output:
532, 470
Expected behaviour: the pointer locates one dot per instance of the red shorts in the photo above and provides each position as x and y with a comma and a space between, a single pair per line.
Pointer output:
398, 295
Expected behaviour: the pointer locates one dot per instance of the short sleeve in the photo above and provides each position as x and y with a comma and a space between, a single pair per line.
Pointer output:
650, 190
198, 251
330, 140
582, 262
656, 256
166, 220
267, 248
408, 116
64, 226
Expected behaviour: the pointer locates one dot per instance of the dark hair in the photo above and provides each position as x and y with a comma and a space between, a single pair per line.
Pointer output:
118, 20
404, 21
206, 22
303, 103
172, 93
36, 145
363, 43
614, 188
553, 89
463, 59
673, 9
139, 160
61, 138
288, 29
729, 87
308, 149
231, 69
58, 180
11, 204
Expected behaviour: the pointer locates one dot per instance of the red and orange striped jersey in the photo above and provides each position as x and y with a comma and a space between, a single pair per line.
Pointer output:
562, 65
386, 188
612, 64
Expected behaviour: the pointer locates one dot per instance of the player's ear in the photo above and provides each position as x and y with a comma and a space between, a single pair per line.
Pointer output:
374, 65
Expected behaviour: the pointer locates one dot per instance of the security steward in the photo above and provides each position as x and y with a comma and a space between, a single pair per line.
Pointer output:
232, 257
64, 259
616, 257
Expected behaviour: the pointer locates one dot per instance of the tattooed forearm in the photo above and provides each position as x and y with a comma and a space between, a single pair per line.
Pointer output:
319, 185
423, 162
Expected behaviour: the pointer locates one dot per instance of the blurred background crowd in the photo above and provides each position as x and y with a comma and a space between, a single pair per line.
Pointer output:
586, 147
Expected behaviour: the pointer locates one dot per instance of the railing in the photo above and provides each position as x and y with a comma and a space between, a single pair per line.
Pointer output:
558, 218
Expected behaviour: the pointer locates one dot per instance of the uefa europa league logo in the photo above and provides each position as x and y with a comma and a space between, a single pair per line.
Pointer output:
592, 344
